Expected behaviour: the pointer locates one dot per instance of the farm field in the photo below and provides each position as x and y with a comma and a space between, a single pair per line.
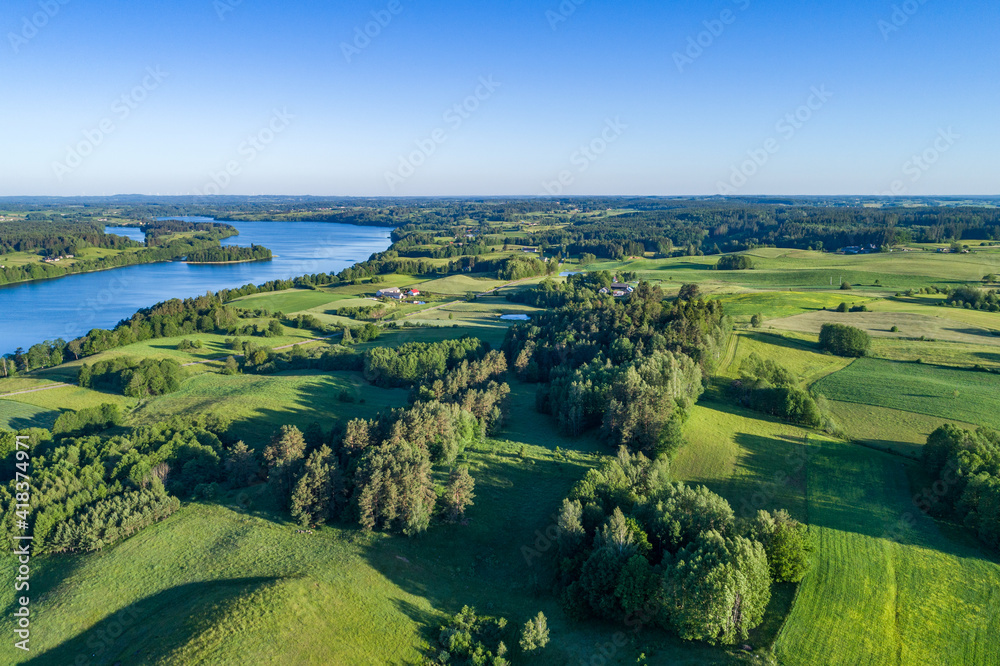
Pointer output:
805, 270
880, 591
887, 429
779, 304
879, 324
947, 393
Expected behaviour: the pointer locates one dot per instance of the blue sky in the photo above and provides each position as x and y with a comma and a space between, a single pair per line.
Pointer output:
657, 98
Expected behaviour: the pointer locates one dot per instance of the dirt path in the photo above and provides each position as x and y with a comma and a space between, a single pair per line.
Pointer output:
35, 390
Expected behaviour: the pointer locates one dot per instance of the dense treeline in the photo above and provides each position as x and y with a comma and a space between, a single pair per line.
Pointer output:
132, 254
229, 254
49, 237
632, 366
712, 227
88, 492
965, 467
637, 549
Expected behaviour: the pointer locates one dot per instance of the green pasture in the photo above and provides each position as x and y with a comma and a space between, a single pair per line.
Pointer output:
961, 395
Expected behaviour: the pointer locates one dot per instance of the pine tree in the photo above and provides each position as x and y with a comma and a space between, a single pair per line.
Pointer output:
284, 458
312, 500
458, 494
535, 634
241, 465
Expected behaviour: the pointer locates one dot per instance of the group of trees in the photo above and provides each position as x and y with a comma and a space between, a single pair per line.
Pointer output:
415, 362
89, 491
631, 366
965, 466
844, 340
766, 386
229, 254
378, 475
975, 298
471, 639
637, 549
131, 377
88, 421
734, 262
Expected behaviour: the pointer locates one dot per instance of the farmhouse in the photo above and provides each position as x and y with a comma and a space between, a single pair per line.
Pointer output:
390, 292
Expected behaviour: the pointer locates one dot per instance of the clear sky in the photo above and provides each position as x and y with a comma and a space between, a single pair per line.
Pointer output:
664, 97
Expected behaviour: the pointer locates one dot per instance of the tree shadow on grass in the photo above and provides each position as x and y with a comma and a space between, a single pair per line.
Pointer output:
147, 631
43, 419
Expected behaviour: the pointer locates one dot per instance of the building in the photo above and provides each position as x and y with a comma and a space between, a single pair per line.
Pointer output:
390, 292
413, 292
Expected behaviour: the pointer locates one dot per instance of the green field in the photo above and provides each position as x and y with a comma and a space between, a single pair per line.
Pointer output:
880, 324
881, 591
804, 270
260, 404
961, 395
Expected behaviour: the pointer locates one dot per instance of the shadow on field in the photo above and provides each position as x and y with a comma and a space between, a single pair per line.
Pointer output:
147, 631
988, 356
978, 332
39, 420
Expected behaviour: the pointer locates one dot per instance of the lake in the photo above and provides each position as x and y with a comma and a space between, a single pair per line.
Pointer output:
71, 306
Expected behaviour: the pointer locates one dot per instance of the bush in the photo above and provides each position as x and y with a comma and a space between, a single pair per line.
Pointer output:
844, 340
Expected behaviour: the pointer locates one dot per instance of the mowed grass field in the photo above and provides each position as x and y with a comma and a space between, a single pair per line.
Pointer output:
886, 586
961, 395
888, 429
778, 304
880, 324
224, 584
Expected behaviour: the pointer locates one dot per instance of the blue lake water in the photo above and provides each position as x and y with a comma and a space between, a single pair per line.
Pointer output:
134, 233
71, 306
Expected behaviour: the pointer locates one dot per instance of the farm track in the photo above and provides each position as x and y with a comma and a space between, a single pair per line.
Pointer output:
35, 390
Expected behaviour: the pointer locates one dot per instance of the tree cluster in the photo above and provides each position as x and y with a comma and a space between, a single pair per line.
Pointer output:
768, 387
966, 465
844, 340
637, 549
131, 377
